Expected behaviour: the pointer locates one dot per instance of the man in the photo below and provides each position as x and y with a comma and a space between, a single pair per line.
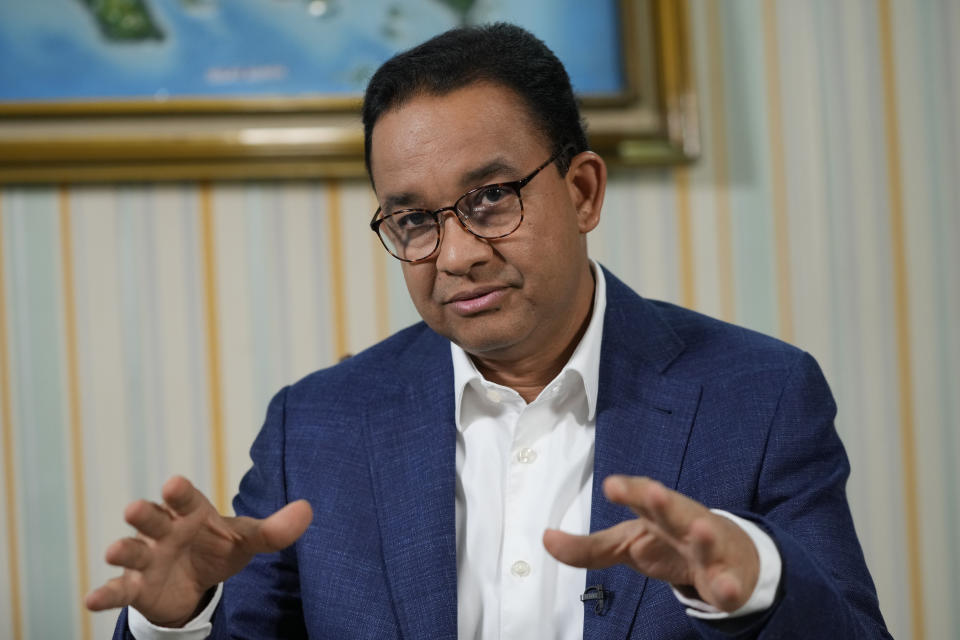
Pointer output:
443, 482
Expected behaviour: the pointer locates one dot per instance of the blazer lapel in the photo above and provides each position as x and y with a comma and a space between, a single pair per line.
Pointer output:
412, 439
643, 424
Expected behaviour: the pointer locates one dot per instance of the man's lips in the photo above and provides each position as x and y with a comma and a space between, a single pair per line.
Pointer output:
476, 300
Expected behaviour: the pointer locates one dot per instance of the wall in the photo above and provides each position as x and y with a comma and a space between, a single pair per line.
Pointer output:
143, 328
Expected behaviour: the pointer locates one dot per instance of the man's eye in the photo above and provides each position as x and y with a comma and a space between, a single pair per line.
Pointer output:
412, 219
491, 196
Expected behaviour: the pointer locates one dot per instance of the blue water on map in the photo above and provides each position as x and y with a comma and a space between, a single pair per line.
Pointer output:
53, 50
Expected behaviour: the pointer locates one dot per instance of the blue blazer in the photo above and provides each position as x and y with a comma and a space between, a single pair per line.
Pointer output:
727, 416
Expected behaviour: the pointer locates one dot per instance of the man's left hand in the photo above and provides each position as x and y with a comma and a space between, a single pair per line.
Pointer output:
674, 539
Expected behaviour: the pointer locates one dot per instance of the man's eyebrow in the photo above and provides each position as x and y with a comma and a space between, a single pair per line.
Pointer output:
404, 200
472, 178
476, 177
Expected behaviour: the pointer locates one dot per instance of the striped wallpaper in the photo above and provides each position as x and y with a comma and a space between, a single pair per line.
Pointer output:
143, 328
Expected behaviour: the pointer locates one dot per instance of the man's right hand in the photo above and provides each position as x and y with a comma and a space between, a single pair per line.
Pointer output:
183, 548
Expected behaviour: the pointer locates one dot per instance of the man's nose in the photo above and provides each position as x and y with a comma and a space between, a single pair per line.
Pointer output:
460, 250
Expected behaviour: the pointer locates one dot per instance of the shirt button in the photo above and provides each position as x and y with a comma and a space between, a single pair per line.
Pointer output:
520, 569
493, 395
526, 455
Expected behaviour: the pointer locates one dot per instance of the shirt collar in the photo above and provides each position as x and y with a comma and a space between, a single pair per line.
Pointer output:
585, 361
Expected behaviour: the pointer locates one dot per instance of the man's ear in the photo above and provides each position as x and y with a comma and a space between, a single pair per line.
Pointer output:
587, 182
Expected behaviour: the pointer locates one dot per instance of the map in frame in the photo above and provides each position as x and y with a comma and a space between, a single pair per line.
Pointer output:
63, 51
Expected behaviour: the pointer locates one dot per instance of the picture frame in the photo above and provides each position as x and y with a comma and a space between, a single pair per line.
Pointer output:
651, 120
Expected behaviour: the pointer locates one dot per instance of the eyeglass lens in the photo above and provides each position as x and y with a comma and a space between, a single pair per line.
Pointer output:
488, 212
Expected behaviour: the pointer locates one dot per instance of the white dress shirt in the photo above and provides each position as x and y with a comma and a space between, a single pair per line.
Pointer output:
523, 468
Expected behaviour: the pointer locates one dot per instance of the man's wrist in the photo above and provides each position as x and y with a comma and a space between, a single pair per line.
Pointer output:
768, 580
197, 628
179, 623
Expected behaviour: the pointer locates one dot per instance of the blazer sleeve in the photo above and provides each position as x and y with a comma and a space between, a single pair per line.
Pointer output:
263, 600
825, 588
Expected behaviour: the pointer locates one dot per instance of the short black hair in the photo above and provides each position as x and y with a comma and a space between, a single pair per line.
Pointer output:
499, 53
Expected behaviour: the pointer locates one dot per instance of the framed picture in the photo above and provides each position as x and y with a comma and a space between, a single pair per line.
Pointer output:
115, 90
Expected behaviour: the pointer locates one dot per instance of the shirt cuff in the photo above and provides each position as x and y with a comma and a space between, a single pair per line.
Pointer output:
197, 629
768, 580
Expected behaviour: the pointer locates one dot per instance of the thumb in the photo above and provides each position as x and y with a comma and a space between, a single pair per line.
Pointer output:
277, 531
283, 528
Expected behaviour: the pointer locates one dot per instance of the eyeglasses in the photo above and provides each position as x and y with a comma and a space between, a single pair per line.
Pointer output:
490, 212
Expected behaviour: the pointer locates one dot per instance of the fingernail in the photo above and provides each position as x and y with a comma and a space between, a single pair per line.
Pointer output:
615, 482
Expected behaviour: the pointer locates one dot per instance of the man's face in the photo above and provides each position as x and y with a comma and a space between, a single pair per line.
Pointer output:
502, 299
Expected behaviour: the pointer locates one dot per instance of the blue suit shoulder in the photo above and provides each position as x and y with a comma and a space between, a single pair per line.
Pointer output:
705, 337
680, 342
356, 378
